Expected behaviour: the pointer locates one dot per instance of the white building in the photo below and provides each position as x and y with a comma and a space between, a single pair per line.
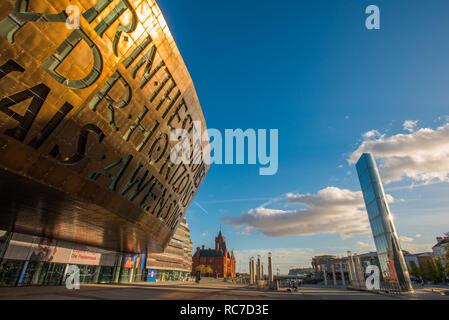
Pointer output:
441, 247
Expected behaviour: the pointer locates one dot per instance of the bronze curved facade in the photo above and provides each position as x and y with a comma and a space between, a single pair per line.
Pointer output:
85, 121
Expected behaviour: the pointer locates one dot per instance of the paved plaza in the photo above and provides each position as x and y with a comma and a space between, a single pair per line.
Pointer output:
208, 289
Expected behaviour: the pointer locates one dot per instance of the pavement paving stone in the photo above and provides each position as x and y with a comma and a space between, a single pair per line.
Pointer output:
207, 289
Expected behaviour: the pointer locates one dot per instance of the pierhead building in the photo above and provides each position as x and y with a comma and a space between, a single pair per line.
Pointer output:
219, 258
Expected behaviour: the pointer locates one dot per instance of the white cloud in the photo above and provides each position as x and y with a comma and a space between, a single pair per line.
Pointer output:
406, 239
421, 155
204, 234
332, 211
247, 230
361, 244
283, 258
417, 247
371, 134
410, 125
418, 236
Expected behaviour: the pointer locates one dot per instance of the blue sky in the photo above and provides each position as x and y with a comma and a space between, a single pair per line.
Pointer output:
311, 69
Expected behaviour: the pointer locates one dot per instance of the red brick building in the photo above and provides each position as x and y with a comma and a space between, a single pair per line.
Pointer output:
219, 259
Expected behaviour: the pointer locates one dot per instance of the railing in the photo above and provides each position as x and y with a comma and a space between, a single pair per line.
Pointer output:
240, 280
390, 286
385, 286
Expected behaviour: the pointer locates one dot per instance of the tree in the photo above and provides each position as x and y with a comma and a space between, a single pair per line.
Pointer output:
429, 271
200, 268
415, 270
439, 270
204, 269
208, 270
446, 260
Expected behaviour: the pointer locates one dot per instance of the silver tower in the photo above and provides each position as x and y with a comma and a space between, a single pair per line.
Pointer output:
392, 262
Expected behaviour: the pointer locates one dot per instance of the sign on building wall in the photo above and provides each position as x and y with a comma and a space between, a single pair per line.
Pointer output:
152, 275
34, 248
131, 261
